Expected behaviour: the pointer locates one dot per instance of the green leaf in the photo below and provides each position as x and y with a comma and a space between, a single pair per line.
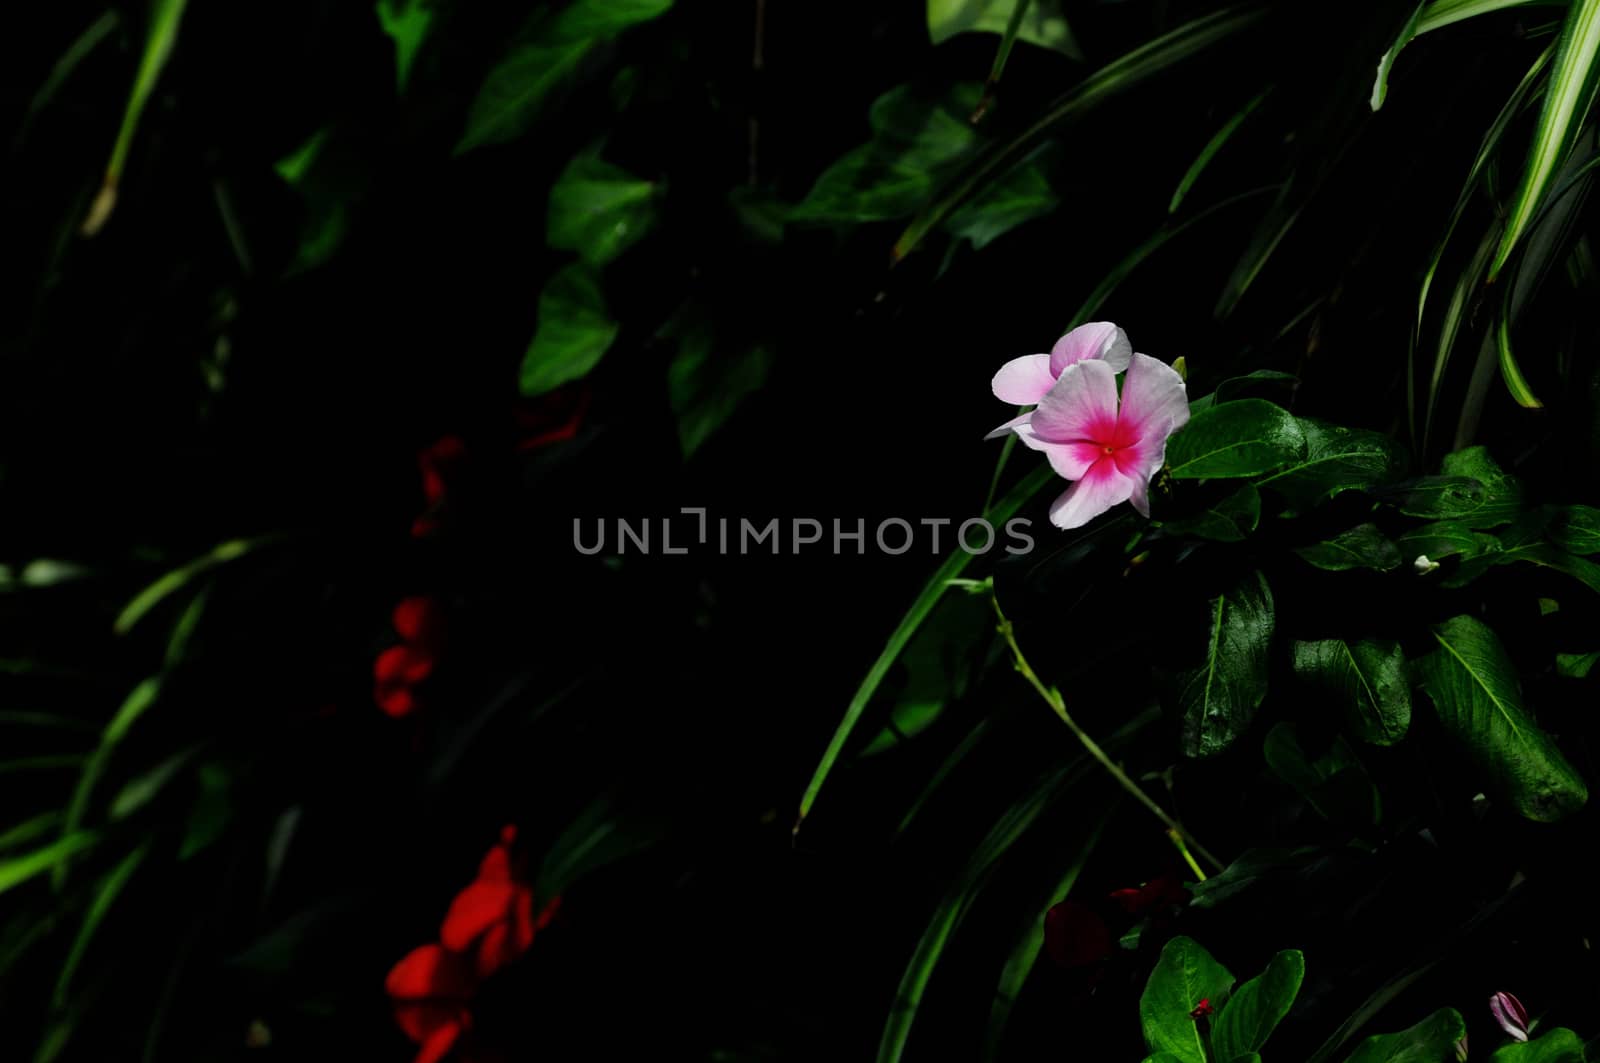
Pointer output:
1120, 75
1185, 975
212, 810
1576, 665
1257, 1006
1228, 520
1212, 147
545, 55
105, 894
1559, 1045
29, 829
573, 334
160, 38
1363, 546
597, 209
1368, 680
1444, 538
1245, 437
142, 788
1575, 529
1440, 13
954, 564
1430, 1041
705, 390
407, 23
1337, 459
915, 143
1510, 371
1380, 85
1218, 700
135, 705
18, 869
1501, 501
1474, 688
1251, 867
1020, 196
1566, 103
1042, 22
179, 578
1335, 784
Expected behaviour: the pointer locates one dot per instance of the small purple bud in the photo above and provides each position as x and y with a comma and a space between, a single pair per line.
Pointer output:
1510, 1014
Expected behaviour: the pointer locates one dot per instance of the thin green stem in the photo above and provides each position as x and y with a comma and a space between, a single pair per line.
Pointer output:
1186, 842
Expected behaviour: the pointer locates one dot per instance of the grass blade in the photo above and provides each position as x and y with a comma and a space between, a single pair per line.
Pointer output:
1566, 102
1001, 56
952, 567
1510, 371
1380, 85
105, 895
1118, 76
133, 706
1214, 145
29, 829
1441, 13
79, 50
17, 870
163, 34
1455, 313
180, 577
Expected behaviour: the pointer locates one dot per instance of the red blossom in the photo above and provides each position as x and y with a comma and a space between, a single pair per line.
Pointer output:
439, 462
493, 917
1075, 936
1156, 895
432, 989
1202, 1009
399, 670
551, 418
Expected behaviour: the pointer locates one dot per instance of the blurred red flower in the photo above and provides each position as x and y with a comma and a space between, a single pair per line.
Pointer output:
493, 918
399, 670
431, 989
1156, 895
551, 418
440, 463
1075, 936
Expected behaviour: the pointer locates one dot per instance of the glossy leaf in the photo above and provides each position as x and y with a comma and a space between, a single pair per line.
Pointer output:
1228, 520
1474, 688
1444, 538
1257, 1006
1246, 871
1334, 784
573, 334
1184, 975
1218, 700
1245, 437
1502, 499
1367, 678
597, 209
545, 55
1363, 546
1380, 85
1432, 1040
1573, 77
1575, 529
1336, 460
1559, 1045
1043, 22
1020, 196
706, 387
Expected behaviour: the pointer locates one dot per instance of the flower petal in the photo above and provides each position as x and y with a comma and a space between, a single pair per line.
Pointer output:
1102, 488
1009, 425
474, 910
429, 972
1023, 381
439, 1043
1082, 406
1097, 339
1155, 402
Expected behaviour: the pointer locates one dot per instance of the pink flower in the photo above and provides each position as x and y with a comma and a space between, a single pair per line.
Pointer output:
1024, 381
1111, 449
1510, 1014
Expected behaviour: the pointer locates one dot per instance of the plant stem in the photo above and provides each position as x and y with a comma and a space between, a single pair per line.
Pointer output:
1186, 842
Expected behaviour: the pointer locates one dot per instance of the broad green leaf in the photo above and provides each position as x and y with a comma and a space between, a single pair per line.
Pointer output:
1163, 1057
915, 143
597, 209
1228, 520
954, 564
1474, 688
706, 386
1337, 459
1020, 196
1501, 500
211, 813
1559, 1045
545, 55
1120, 75
105, 894
1566, 104
1542, 554
1184, 975
1212, 147
1245, 437
1042, 22
1257, 1006
573, 334
1575, 529
160, 37
1433, 1040
407, 23
1576, 665
1218, 700
18, 869
1368, 680
1363, 546
1444, 538
1335, 784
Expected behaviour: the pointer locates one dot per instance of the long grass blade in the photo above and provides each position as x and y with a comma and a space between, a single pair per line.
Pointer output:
17, 870
952, 568
1455, 314
1510, 371
180, 577
133, 706
1213, 146
29, 829
1002, 55
1566, 103
105, 895
1441, 13
163, 34
1380, 84
1118, 76
76, 53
